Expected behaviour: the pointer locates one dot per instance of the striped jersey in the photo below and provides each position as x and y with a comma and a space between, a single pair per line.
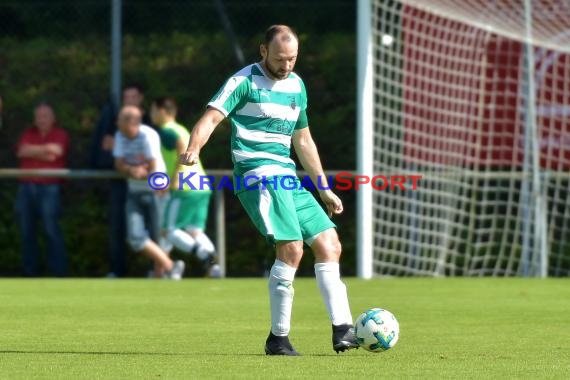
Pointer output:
263, 113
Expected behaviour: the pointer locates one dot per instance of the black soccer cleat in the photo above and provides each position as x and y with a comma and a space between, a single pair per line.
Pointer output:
279, 345
343, 338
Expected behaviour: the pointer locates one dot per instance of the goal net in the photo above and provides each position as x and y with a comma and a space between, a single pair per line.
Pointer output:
473, 95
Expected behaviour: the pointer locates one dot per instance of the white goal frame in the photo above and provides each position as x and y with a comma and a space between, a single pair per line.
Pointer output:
531, 188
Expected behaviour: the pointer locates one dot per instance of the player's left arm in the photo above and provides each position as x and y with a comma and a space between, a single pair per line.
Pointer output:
308, 154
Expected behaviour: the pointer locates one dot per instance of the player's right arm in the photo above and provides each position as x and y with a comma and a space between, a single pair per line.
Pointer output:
200, 135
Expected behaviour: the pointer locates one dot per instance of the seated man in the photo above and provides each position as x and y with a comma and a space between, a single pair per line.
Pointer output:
137, 153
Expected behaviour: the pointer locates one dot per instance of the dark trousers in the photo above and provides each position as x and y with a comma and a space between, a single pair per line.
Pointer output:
41, 203
117, 223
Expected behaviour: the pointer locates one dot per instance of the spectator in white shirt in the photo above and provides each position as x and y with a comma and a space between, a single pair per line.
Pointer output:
137, 154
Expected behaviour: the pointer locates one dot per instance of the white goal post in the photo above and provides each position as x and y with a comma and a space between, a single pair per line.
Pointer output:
473, 95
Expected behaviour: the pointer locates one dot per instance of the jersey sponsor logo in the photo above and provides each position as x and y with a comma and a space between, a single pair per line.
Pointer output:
283, 127
270, 111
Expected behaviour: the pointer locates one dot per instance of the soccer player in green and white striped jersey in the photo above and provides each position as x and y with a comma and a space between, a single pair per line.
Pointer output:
266, 103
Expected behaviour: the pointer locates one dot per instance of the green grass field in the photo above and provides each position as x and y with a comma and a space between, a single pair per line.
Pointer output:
123, 329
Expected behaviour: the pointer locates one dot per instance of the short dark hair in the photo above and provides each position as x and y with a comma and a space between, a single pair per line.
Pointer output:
44, 103
166, 103
135, 86
274, 30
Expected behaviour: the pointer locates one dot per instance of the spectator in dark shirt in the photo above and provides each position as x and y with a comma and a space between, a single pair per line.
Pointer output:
101, 157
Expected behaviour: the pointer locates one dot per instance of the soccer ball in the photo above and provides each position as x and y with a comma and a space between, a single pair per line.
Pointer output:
377, 330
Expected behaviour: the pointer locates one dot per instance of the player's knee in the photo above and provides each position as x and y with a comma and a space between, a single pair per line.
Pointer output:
334, 248
328, 248
296, 251
290, 252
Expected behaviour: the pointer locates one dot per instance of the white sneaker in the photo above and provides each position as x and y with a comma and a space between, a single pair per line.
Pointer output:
177, 270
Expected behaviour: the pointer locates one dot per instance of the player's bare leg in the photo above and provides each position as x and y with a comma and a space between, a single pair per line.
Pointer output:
327, 250
282, 274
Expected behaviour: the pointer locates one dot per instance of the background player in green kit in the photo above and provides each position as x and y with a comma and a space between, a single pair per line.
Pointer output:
266, 103
186, 210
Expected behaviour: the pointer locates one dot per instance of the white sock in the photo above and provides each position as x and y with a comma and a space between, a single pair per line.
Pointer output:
333, 292
281, 297
181, 240
205, 246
